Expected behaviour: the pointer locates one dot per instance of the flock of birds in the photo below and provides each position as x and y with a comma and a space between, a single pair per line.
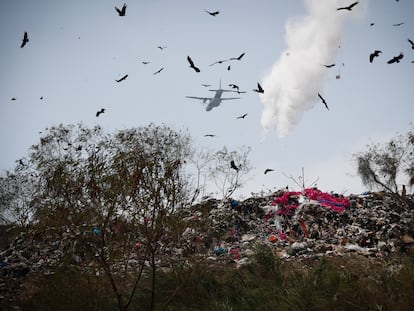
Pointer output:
259, 89
122, 12
376, 53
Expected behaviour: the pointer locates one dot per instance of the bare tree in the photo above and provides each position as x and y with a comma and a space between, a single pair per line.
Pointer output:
301, 182
200, 161
382, 165
227, 177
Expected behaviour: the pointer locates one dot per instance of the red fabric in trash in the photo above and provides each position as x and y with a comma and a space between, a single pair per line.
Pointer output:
284, 199
235, 253
335, 203
283, 202
325, 199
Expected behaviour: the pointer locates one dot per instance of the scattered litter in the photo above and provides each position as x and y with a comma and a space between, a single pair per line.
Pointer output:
296, 225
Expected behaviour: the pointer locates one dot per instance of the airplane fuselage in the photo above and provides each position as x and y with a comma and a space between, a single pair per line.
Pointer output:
215, 101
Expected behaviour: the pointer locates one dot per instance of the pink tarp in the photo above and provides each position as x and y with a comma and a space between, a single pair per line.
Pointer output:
337, 204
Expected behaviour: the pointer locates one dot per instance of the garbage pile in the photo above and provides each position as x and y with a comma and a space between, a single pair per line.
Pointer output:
310, 224
296, 225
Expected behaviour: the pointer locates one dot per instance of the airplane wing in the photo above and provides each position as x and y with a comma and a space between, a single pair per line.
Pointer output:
222, 90
204, 99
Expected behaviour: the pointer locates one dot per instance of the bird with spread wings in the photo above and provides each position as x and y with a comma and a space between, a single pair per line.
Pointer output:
196, 69
122, 11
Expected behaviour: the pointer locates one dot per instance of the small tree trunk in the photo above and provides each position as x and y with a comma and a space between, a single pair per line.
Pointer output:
153, 281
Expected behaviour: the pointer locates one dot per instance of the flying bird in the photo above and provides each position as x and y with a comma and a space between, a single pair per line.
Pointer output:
373, 55
122, 79
219, 62
122, 11
196, 69
237, 58
329, 66
268, 170
213, 13
161, 47
233, 165
100, 111
13, 98
259, 88
145, 63
372, 24
209, 135
158, 71
323, 101
206, 85
25, 39
349, 7
399, 24
412, 43
234, 86
242, 116
396, 59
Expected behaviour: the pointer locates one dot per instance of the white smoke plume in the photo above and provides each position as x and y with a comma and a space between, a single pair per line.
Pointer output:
298, 75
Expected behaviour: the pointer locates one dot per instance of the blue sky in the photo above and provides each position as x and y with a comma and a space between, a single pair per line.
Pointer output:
78, 48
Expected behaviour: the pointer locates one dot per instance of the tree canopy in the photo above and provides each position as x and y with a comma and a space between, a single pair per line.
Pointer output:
386, 166
122, 198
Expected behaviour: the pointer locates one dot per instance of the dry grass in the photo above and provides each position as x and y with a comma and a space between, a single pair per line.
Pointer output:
351, 282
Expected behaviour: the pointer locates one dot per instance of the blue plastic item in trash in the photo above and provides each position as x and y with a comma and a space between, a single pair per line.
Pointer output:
220, 250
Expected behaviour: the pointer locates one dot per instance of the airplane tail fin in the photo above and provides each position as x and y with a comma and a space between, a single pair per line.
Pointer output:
220, 89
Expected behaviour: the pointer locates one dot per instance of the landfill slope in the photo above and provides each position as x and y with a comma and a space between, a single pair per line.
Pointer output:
297, 226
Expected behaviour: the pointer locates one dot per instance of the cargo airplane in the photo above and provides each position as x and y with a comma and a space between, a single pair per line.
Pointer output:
216, 100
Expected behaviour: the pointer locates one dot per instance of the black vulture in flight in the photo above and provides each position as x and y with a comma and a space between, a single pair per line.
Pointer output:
233, 165
122, 79
323, 101
268, 170
209, 135
373, 55
100, 111
349, 7
242, 116
234, 86
219, 62
122, 11
329, 66
25, 39
158, 71
196, 69
396, 59
412, 43
259, 88
213, 13
237, 58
